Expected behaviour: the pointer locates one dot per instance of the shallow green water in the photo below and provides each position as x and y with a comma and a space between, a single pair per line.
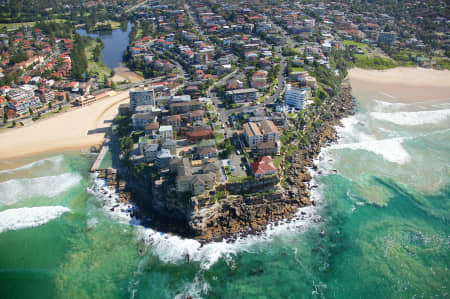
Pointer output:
381, 230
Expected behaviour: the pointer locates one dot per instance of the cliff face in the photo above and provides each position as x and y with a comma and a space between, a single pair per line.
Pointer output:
250, 214
245, 214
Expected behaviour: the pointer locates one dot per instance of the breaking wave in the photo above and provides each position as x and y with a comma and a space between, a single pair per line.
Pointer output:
391, 149
173, 249
413, 118
53, 161
14, 219
19, 189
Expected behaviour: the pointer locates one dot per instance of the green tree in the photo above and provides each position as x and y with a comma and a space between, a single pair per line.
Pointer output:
79, 59
126, 145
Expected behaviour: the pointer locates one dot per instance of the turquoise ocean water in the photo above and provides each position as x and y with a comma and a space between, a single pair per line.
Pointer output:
381, 228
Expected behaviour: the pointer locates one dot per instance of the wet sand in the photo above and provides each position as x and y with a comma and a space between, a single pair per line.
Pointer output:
402, 84
77, 129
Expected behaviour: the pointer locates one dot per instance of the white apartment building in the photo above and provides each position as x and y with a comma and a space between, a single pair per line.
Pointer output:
294, 97
141, 96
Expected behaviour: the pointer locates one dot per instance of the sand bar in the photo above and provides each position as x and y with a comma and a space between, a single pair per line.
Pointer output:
77, 129
402, 84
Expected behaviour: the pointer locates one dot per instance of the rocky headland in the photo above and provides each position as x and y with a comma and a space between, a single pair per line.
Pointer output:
247, 207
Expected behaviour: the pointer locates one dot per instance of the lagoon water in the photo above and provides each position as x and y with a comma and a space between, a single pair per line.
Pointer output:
115, 42
381, 228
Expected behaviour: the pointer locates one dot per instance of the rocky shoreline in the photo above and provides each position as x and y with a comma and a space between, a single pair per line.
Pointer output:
239, 214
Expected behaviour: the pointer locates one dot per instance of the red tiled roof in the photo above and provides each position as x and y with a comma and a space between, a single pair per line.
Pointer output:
199, 133
262, 168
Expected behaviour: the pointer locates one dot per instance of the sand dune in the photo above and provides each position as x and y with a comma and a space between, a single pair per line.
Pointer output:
76, 129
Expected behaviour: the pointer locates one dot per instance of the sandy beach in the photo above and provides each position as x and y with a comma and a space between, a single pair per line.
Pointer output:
122, 73
402, 84
77, 129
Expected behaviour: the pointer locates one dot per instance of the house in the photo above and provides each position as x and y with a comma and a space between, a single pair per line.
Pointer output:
269, 130
243, 95
199, 135
386, 37
207, 152
151, 129
259, 79
194, 183
150, 152
166, 132
4, 89
173, 120
195, 115
183, 107
268, 148
139, 120
170, 145
264, 166
252, 134
163, 158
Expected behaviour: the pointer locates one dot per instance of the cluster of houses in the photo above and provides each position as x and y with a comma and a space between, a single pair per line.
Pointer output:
40, 77
166, 119
177, 138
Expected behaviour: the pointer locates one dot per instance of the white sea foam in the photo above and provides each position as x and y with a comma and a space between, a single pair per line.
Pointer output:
14, 219
174, 249
391, 149
19, 189
54, 161
194, 289
413, 118
350, 131
382, 106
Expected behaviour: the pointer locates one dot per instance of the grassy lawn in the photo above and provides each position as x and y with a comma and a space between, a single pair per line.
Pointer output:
235, 179
15, 26
297, 69
277, 161
442, 63
362, 46
97, 68
51, 113
114, 24
219, 137
374, 62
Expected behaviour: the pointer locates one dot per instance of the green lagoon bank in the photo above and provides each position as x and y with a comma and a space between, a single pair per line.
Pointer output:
380, 228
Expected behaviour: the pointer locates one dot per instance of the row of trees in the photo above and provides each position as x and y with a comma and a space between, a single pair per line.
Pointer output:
79, 59
98, 50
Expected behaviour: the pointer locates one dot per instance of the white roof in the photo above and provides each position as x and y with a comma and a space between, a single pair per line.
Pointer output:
165, 128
